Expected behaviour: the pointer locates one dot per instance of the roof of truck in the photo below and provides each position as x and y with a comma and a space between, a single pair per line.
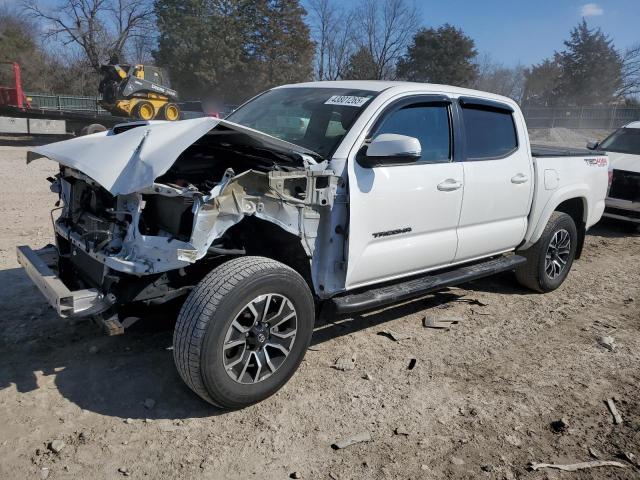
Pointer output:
632, 125
380, 85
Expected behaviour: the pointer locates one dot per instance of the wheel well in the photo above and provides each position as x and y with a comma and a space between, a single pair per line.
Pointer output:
575, 208
266, 239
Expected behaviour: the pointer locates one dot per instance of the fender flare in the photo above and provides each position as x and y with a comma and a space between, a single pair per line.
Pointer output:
534, 231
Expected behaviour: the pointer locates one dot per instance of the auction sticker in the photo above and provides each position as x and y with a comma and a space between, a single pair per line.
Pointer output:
347, 100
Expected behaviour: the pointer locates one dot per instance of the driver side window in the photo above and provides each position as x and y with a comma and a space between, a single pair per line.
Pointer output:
429, 123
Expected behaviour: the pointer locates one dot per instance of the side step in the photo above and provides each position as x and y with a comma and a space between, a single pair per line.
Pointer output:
398, 292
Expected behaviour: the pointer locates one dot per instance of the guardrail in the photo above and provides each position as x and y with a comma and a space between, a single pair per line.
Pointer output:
74, 103
580, 117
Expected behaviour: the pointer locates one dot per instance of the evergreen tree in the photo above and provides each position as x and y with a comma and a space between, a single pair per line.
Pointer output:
18, 43
280, 47
361, 66
541, 84
591, 68
230, 50
443, 55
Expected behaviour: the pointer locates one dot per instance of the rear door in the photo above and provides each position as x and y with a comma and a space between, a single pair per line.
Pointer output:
403, 218
498, 176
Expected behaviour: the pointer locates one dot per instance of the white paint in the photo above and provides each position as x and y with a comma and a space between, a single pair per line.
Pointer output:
392, 145
502, 204
444, 213
497, 198
388, 198
551, 179
130, 161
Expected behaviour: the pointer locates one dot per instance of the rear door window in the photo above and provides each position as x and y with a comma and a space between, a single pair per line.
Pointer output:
489, 133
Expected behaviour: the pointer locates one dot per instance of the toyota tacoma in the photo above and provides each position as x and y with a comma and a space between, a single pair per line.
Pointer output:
347, 195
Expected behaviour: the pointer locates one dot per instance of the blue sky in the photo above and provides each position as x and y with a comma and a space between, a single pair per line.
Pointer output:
529, 31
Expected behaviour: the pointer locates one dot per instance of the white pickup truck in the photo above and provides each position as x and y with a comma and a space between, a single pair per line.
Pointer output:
623, 149
349, 195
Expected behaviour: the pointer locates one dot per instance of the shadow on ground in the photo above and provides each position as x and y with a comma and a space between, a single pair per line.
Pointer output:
114, 381
612, 228
126, 370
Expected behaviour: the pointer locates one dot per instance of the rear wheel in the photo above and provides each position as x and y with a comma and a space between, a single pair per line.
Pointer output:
549, 260
170, 112
243, 331
144, 110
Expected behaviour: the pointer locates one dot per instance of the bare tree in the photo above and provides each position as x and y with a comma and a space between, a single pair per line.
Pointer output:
139, 49
334, 40
100, 28
497, 78
385, 28
630, 72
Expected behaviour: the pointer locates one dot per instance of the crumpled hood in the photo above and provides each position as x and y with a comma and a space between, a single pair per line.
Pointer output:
130, 161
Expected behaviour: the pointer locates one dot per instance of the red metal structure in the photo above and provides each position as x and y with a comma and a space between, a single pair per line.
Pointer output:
14, 95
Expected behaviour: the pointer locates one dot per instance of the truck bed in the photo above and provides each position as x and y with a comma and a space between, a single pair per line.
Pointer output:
542, 151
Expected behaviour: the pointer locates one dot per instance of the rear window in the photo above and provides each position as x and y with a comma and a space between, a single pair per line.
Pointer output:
625, 140
489, 133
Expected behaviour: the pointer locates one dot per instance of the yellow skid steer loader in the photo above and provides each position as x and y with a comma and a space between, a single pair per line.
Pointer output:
138, 91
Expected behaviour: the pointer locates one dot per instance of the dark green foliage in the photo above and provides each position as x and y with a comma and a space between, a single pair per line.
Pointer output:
591, 67
587, 72
232, 49
361, 66
443, 55
18, 43
542, 84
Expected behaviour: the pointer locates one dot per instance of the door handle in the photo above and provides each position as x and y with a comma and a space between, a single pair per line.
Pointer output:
449, 185
519, 178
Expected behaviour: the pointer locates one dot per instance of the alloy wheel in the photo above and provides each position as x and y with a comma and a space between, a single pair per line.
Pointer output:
260, 338
557, 255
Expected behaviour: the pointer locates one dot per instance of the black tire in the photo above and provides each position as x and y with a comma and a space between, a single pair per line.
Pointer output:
533, 274
138, 109
95, 128
165, 113
206, 317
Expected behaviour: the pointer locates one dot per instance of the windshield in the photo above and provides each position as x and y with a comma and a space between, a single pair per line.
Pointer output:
314, 118
625, 140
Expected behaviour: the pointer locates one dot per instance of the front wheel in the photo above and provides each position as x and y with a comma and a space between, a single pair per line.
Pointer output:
549, 260
243, 331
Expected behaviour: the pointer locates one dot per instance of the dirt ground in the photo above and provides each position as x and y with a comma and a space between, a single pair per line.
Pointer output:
479, 403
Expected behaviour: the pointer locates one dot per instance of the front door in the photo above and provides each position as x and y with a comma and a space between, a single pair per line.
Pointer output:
403, 218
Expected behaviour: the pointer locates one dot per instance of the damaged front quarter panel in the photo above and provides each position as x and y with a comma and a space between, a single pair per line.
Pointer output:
292, 200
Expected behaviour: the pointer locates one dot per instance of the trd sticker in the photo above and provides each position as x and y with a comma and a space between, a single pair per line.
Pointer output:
597, 162
347, 100
388, 233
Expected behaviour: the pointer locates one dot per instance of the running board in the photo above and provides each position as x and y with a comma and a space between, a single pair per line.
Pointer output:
398, 292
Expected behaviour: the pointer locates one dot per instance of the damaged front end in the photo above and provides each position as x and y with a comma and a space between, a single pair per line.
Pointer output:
148, 233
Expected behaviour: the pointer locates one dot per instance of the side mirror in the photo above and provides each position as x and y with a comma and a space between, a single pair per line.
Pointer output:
592, 145
391, 149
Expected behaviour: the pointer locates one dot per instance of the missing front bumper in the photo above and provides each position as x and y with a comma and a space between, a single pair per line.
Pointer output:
40, 266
